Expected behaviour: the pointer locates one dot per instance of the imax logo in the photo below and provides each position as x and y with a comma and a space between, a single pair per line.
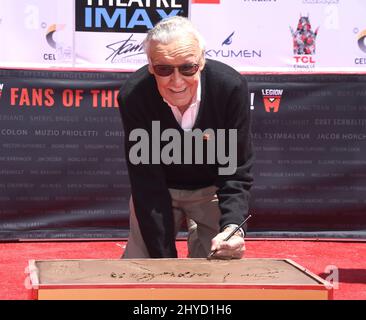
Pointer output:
99, 16
129, 16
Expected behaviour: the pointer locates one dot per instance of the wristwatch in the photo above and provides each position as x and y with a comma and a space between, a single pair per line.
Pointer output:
240, 232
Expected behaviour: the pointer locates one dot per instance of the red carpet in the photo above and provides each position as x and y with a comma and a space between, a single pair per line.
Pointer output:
349, 257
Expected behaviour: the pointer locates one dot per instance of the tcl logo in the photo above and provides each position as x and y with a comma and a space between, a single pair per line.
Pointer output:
304, 59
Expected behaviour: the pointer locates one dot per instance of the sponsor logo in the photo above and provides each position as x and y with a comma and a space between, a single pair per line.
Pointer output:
304, 39
51, 31
124, 50
1, 89
272, 99
125, 15
61, 52
226, 52
228, 40
361, 41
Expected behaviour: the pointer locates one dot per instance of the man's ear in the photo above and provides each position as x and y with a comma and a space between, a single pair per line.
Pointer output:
151, 70
202, 62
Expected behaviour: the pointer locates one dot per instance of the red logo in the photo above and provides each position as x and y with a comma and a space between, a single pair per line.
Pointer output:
272, 99
304, 38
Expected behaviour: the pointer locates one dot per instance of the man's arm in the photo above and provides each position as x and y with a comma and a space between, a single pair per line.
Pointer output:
233, 192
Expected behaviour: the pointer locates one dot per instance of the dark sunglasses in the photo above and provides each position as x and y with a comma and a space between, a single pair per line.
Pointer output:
165, 70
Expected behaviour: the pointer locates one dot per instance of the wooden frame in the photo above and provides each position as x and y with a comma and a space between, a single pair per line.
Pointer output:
308, 287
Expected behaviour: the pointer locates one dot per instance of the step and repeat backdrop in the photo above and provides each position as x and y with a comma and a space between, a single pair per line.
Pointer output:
254, 35
63, 170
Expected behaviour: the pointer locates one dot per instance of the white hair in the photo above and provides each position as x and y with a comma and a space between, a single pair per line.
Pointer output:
170, 29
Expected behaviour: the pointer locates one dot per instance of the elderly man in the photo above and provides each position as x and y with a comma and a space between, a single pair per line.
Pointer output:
180, 92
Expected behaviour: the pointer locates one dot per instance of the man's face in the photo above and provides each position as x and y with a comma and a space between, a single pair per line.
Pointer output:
177, 89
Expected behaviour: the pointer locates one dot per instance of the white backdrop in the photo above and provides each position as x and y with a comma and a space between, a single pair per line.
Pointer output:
250, 35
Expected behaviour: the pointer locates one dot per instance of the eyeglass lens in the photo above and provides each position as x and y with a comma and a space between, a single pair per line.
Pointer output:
188, 69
